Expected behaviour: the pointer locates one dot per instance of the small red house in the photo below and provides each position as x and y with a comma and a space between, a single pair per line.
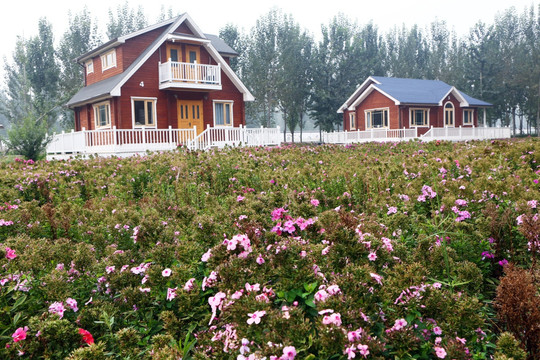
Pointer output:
394, 103
169, 75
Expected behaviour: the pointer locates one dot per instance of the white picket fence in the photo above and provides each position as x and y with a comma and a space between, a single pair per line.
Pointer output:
467, 133
127, 142
347, 137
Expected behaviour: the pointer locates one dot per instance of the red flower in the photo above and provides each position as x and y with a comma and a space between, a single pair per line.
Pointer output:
86, 336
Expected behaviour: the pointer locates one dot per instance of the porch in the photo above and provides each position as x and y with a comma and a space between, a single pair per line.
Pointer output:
181, 75
128, 142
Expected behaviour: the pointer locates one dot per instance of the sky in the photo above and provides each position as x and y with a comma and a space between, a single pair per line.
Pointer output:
20, 18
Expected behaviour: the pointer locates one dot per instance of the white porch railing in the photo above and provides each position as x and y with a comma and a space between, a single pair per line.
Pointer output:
117, 141
125, 142
190, 73
235, 136
346, 137
466, 133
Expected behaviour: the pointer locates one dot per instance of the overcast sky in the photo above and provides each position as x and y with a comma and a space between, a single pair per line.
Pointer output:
20, 17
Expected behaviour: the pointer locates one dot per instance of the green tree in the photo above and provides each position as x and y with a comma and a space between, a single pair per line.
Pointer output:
294, 74
234, 38
43, 72
125, 21
338, 68
80, 37
261, 70
28, 137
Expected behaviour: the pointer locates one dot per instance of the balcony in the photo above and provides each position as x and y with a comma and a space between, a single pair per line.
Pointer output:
180, 75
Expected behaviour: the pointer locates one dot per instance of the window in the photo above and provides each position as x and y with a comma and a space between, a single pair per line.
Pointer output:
223, 115
143, 111
108, 60
468, 117
352, 121
102, 115
449, 114
419, 117
89, 66
377, 118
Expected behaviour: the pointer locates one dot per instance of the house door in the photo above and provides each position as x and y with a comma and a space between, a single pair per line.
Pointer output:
193, 56
449, 114
174, 54
190, 114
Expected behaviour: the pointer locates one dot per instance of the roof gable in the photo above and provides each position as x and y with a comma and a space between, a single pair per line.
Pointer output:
409, 91
112, 86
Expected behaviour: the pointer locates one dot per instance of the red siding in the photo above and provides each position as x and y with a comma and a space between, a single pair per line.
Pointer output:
99, 74
184, 29
376, 100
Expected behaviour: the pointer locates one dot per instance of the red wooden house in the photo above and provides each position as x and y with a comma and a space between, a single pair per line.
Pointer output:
167, 75
394, 103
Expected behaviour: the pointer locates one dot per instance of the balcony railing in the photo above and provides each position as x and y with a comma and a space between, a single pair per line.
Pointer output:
189, 75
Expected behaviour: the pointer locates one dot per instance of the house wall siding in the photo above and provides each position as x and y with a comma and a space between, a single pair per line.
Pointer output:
376, 100
99, 74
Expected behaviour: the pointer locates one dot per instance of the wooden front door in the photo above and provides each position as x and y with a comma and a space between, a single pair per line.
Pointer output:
190, 114
193, 56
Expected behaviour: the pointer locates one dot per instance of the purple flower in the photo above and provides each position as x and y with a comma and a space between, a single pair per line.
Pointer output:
57, 308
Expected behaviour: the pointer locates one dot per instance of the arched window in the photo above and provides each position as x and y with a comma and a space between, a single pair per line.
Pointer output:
449, 114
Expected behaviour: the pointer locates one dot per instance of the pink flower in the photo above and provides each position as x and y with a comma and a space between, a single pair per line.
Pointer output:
260, 260
333, 289
72, 304
144, 290
350, 352
10, 253
57, 308
289, 353
19, 334
109, 269
171, 293
377, 278
326, 250
254, 287
166, 273
363, 350
190, 285
321, 296
240, 198
440, 352
400, 324
392, 210
315, 202
255, 318
206, 255
216, 302
372, 256
334, 318
237, 294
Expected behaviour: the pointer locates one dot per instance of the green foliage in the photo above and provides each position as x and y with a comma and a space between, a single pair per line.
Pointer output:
28, 137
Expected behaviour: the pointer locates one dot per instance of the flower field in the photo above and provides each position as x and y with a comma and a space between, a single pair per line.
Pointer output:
373, 251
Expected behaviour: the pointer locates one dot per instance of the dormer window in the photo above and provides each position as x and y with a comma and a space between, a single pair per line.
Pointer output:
108, 60
89, 66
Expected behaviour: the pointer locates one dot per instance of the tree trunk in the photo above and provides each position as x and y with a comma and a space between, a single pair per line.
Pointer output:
284, 127
538, 111
514, 121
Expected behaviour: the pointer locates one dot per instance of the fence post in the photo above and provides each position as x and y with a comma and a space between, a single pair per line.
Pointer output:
460, 133
63, 142
171, 142
195, 140
473, 131
372, 133
72, 141
84, 144
144, 139
114, 139
446, 132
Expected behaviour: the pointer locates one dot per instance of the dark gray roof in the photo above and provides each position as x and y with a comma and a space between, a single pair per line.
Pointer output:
418, 91
97, 90
220, 45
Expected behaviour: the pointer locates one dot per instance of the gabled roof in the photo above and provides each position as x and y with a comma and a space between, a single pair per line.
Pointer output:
409, 91
112, 86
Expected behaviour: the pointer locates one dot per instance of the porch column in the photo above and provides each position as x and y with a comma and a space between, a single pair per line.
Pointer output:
484, 117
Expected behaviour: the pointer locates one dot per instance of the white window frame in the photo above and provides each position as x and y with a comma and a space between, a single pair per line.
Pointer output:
90, 66
104, 60
387, 109
453, 114
231, 112
96, 112
411, 117
154, 112
471, 117
352, 121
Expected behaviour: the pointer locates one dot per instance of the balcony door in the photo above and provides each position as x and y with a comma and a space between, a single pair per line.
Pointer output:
193, 56
190, 114
174, 54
